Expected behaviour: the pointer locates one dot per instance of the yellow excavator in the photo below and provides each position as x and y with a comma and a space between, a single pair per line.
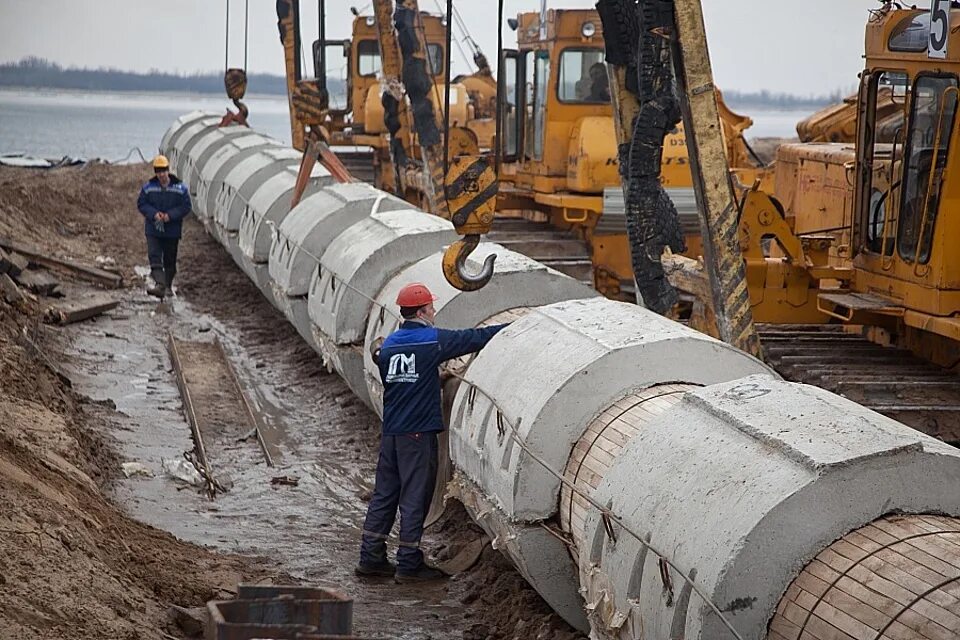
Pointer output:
857, 241
556, 89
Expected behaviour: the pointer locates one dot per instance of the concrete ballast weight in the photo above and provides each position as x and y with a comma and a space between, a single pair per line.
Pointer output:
222, 161
640, 475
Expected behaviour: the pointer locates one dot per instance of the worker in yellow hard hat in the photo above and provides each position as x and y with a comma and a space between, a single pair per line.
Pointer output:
409, 362
164, 202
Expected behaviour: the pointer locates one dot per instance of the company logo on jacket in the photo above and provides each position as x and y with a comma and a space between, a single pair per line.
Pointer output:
402, 368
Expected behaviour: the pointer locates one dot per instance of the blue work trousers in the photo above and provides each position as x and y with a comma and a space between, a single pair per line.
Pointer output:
406, 474
162, 253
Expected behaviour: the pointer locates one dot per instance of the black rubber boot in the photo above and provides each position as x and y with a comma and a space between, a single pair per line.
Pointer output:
159, 288
169, 277
383, 569
423, 574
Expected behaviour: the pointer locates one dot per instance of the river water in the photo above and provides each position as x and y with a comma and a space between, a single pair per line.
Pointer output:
52, 124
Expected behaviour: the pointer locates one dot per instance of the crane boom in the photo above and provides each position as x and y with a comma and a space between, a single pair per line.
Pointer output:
653, 45
711, 179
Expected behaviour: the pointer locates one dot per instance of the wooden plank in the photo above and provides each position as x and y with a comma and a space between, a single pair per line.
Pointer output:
784, 628
98, 276
917, 563
927, 544
835, 617
78, 310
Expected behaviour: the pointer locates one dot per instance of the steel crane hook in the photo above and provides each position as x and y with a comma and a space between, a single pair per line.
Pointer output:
454, 265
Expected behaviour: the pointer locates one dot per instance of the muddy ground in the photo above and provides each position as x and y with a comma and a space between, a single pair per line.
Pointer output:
88, 553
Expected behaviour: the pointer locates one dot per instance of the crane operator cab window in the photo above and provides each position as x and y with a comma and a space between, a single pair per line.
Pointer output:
882, 105
932, 115
368, 58
333, 65
512, 87
537, 72
583, 77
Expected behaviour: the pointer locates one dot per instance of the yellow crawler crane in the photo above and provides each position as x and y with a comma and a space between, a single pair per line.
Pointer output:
342, 103
560, 155
864, 236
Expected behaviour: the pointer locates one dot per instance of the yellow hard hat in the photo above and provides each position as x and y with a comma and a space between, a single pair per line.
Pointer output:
161, 162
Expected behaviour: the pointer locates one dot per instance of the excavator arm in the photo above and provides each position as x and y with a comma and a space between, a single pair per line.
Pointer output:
672, 51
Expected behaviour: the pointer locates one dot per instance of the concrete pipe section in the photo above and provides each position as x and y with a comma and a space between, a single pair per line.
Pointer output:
353, 270
239, 185
305, 234
221, 162
260, 222
649, 481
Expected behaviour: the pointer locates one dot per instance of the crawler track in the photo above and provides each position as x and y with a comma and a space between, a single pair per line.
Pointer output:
892, 381
359, 163
560, 250
215, 404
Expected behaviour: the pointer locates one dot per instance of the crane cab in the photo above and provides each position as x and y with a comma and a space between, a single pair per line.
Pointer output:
355, 63
907, 182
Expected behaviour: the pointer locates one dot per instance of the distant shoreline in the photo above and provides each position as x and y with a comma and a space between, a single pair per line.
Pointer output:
172, 93
33, 73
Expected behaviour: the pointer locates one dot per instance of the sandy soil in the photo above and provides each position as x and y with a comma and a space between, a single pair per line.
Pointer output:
73, 565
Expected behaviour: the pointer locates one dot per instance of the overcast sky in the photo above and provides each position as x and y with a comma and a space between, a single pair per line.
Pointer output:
814, 46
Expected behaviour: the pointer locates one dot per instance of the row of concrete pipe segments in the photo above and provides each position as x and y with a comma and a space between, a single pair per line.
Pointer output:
647, 480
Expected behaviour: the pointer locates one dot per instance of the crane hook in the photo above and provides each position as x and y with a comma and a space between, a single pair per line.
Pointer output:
454, 264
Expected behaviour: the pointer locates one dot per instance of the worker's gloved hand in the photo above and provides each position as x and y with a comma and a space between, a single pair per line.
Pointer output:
375, 350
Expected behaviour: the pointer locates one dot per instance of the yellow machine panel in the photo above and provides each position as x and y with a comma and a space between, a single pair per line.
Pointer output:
814, 183
592, 156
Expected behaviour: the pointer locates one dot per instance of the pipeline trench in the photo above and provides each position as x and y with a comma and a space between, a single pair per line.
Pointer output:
628, 503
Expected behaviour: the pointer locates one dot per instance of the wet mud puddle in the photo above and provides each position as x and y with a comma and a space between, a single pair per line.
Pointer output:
323, 447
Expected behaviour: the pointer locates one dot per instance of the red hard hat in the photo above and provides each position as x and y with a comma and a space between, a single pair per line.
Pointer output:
414, 294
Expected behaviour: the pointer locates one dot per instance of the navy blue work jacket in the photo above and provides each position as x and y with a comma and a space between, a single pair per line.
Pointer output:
409, 364
173, 200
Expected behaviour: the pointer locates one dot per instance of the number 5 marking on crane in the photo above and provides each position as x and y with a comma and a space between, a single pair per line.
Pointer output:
939, 29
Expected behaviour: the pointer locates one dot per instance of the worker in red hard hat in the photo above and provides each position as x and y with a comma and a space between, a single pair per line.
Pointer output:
409, 362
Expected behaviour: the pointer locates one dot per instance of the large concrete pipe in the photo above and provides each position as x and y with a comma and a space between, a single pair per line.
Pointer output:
649, 481
353, 270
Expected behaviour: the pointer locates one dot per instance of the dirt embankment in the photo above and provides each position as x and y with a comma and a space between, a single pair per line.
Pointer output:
72, 565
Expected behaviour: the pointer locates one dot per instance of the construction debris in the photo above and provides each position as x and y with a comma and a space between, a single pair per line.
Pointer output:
12, 263
11, 292
78, 310
131, 469
91, 274
289, 481
39, 282
280, 612
183, 471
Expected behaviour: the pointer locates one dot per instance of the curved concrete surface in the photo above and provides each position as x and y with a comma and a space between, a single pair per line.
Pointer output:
222, 161
745, 481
